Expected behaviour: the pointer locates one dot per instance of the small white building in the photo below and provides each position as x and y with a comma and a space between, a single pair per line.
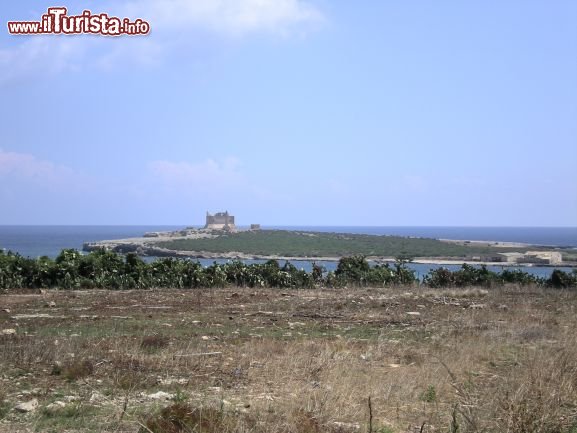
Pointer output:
542, 257
510, 257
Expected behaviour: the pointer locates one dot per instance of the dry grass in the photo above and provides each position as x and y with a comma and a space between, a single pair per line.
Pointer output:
181, 418
472, 360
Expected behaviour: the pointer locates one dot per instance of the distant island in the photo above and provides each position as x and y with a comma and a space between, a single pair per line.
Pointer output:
220, 238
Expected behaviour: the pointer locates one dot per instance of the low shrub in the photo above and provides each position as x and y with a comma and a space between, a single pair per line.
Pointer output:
183, 418
106, 269
154, 342
78, 369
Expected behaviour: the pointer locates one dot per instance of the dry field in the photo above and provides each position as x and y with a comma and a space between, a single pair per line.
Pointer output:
246, 360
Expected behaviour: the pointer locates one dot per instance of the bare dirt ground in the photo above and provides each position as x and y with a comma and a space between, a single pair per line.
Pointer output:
290, 361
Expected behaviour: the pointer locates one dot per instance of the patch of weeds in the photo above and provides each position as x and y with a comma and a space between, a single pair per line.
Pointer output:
384, 429
153, 343
128, 363
429, 395
18, 372
531, 411
130, 380
129, 373
306, 422
533, 333
4, 409
58, 393
454, 426
71, 417
180, 396
182, 418
4, 405
56, 369
68, 411
411, 356
78, 369
361, 332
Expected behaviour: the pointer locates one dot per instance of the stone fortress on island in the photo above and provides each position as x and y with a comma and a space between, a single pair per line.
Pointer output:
220, 221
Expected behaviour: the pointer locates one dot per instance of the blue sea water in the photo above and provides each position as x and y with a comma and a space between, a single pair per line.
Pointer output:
35, 241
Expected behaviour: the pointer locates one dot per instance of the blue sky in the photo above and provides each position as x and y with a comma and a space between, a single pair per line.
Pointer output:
294, 112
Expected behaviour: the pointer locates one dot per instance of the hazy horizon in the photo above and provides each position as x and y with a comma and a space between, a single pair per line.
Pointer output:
294, 112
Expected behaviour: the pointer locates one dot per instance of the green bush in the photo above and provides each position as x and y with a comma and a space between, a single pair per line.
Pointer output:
562, 280
106, 269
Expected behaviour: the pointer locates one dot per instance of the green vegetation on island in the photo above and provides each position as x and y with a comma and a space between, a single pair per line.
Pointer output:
287, 243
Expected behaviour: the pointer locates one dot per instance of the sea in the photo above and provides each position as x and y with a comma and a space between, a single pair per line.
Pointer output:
36, 241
